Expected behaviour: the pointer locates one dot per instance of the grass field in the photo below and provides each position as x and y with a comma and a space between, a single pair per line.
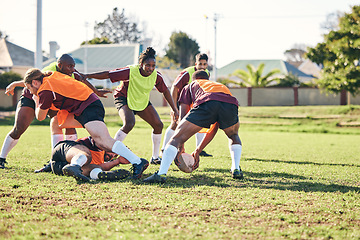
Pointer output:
302, 181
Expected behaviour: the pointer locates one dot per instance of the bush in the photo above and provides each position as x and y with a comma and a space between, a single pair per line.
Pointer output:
7, 78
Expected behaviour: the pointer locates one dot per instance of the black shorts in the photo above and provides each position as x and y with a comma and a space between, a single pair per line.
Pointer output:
58, 160
122, 101
226, 114
94, 112
26, 102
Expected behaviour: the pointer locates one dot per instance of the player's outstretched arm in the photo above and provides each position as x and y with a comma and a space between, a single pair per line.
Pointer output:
10, 88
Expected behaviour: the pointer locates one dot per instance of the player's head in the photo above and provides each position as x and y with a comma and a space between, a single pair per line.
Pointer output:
201, 61
33, 79
147, 61
200, 74
66, 64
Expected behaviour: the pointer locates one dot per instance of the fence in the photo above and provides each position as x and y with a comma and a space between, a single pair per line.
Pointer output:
246, 97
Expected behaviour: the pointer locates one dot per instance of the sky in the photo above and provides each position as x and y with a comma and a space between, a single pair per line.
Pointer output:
252, 29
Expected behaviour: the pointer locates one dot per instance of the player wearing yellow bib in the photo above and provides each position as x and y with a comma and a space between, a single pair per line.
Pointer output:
132, 96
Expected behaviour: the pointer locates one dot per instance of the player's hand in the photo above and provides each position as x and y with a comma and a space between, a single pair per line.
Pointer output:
36, 99
197, 160
103, 92
174, 116
10, 89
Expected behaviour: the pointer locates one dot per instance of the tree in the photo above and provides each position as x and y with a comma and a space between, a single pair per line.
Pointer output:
253, 77
182, 49
97, 40
296, 55
7, 78
289, 80
332, 21
117, 28
339, 55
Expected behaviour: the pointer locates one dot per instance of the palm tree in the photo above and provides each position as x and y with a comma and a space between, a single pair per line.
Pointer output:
254, 78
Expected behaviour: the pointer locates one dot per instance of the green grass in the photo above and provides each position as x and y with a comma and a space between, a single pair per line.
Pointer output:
300, 183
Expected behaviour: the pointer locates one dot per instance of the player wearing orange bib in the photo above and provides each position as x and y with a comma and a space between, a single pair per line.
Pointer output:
83, 109
185, 78
212, 103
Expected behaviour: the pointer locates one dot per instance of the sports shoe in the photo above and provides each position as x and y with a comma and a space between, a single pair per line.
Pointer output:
205, 154
155, 178
237, 174
75, 171
46, 168
2, 163
138, 169
114, 175
155, 161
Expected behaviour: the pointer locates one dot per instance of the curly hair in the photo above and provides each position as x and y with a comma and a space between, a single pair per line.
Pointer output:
149, 53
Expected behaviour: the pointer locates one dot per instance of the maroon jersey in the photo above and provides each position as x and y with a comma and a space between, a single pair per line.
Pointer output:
46, 98
194, 94
122, 74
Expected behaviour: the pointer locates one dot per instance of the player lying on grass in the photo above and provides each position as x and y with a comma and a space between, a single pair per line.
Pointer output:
78, 107
98, 162
212, 102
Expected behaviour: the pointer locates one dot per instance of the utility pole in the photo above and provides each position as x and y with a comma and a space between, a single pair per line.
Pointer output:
86, 48
38, 55
215, 22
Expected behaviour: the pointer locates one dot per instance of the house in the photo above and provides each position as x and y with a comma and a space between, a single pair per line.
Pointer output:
15, 58
284, 67
104, 57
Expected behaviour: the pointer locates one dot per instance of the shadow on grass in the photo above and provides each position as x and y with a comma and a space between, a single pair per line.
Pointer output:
304, 162
270, 180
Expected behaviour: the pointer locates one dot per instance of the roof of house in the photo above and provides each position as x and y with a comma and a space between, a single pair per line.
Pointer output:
5, 59
101, 57
284, 67
12, 55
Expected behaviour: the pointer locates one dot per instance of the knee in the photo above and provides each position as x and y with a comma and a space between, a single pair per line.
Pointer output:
128, 126
17, 131
158, 126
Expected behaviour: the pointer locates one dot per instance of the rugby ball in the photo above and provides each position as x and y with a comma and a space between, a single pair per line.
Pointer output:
185, 162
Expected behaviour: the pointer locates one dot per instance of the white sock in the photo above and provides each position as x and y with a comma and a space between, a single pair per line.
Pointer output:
169, 155
168, 134
71, 137
199, 137
120, 149
55, 138
95, 172
235, 152
120, 135
156, 141
79, 159
8, 144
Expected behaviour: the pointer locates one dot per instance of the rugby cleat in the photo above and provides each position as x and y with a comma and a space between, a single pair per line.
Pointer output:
138, 169
155, 178
46, 168
205, 154
2, 163
237, 174
75, 171
113, 175
156, 161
